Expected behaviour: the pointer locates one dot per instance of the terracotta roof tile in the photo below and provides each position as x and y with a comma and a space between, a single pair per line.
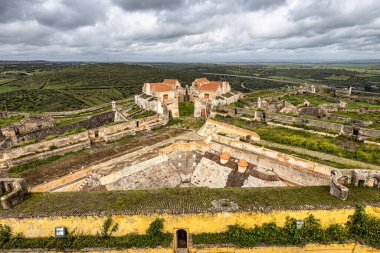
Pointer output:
170, 81
212, 86
202, 80
243, 163
225, 156
161, 87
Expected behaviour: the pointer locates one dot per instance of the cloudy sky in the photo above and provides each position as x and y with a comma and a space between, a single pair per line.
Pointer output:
189, 30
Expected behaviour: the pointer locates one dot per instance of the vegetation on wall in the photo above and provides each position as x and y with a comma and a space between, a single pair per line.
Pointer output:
186, 109
360, 227
153, 237
334, 146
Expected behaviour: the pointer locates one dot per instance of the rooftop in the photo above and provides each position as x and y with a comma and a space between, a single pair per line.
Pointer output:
225, 156
202, 80
161, 87
186, 200
211, 86
170, 81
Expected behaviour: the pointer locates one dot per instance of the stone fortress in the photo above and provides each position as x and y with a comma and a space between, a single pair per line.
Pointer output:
165, 96
217, 156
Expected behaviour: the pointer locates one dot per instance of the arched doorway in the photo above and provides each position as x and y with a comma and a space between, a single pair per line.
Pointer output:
181, 239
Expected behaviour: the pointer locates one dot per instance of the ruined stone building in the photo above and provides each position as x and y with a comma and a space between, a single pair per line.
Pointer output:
161, 97
164, 97
205, 93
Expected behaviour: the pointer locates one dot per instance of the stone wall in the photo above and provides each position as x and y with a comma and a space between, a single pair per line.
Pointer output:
216, 127
264, 116
336, 188
323, 248
15, 189
75, 142
287, 167
194, 222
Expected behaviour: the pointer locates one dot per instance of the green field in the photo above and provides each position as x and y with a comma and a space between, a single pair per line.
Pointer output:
10, 120
340, 146
299, 98
368, 116
77, 86
188, 200
67, 86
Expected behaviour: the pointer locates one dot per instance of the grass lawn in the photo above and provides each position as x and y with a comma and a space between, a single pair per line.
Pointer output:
299, 98
187, 200
369, 116
334, 146
360, 104
10, 120
264, 93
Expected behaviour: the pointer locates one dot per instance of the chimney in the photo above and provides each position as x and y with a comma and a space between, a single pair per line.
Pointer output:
224, 157
242, 166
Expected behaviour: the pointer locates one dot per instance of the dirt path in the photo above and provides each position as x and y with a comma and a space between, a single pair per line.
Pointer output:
320, 155
96, 155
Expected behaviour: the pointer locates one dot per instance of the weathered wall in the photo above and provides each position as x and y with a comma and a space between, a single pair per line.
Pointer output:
337, 248
194, 223
293, 169
214, 127
261, 116
75, 142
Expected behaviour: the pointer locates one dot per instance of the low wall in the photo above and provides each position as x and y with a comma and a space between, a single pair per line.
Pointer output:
262, 116
291, 168
15, 189
213, 127
194, 223
46, 145
338, 248
74, 142
49, 186
336, 188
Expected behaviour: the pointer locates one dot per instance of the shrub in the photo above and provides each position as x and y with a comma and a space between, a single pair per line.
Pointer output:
358, 222
108, 228
5, 233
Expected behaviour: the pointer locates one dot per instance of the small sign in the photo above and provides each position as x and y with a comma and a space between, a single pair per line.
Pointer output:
60, 232
299, 223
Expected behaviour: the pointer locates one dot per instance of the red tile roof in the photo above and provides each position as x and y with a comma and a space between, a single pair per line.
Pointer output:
170, 81
225, 156
202, 80
243, 163
211, 86
161, 87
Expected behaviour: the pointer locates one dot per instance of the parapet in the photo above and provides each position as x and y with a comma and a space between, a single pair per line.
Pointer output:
15, 189
336, 188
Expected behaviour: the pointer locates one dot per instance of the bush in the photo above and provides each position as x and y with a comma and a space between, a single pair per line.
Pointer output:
108, 228
154, 237
186, 109
360, 227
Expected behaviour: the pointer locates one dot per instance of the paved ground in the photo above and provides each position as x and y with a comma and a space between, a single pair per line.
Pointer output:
321, 155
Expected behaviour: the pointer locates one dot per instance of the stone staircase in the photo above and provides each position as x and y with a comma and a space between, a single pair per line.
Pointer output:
180, 250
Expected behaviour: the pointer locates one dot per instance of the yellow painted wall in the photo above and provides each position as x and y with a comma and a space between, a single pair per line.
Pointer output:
194, 223
336, 248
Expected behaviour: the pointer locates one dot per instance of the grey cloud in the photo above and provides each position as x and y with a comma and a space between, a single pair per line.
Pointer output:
138, 5
211, 29
71, 14
12, 10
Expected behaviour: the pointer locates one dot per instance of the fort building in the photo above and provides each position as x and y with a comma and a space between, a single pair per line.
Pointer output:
164, 97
